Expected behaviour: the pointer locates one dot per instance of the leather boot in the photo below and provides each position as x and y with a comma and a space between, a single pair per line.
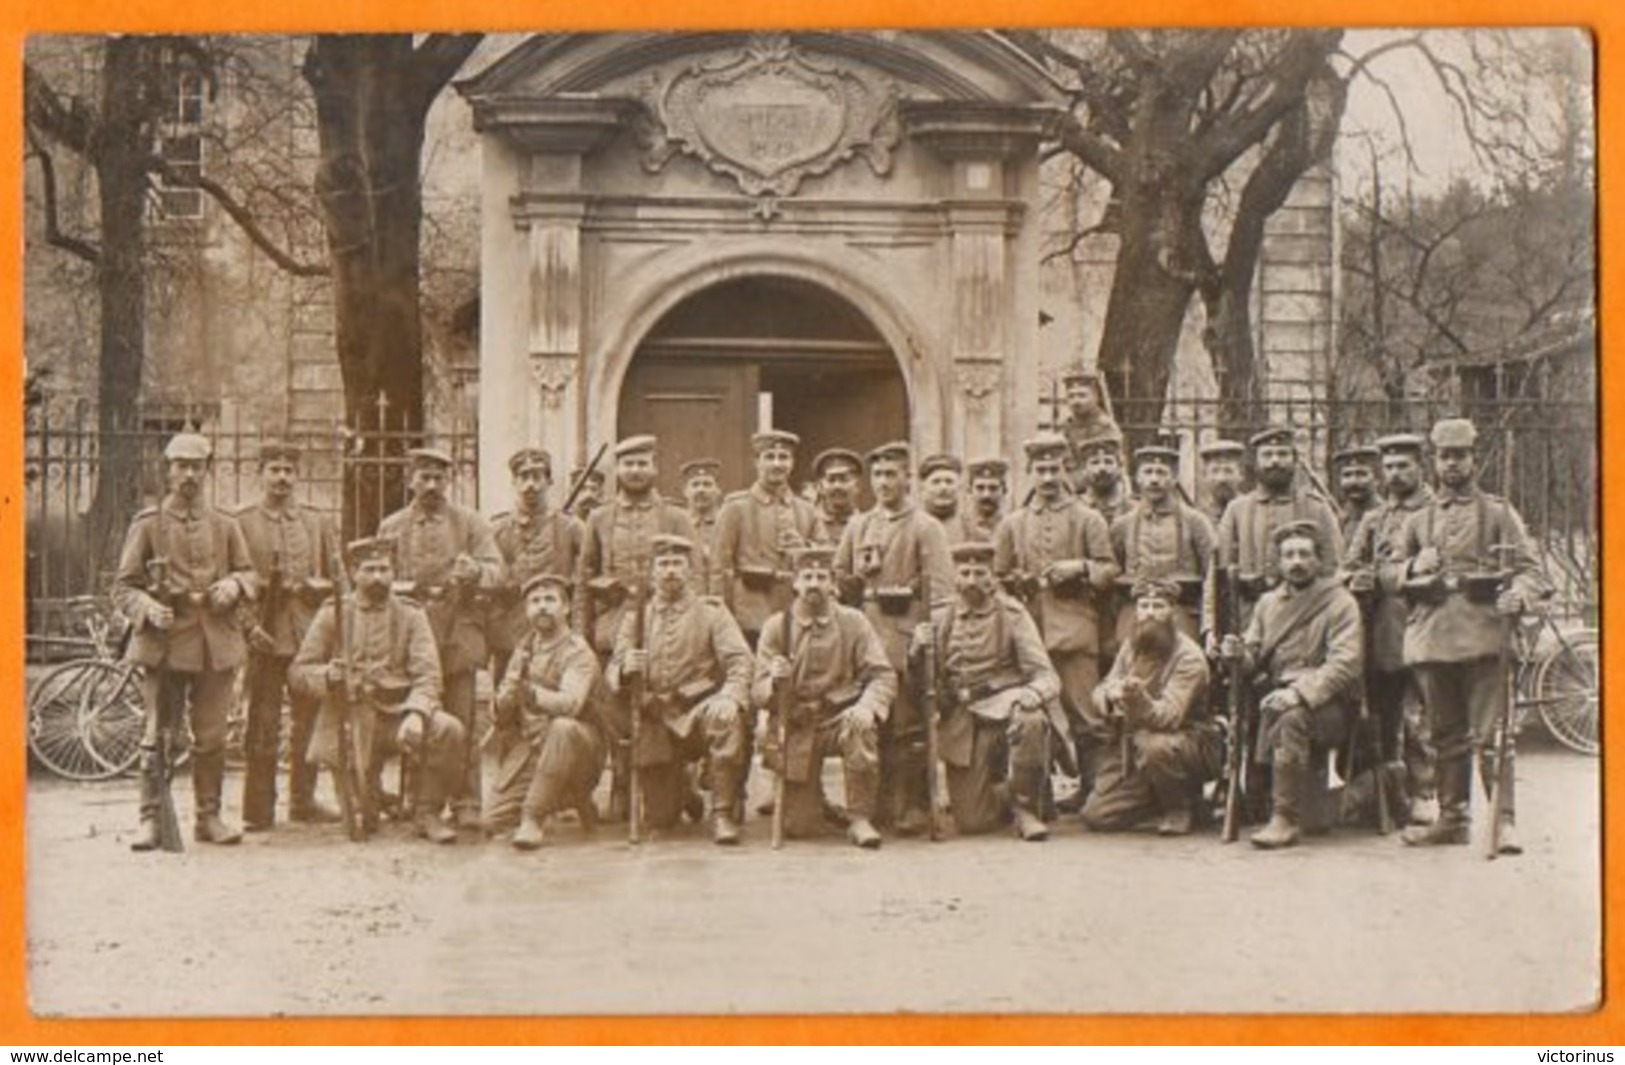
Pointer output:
1029, 826
208, 775
1287, 798
1452, 827
862, 789
724, 791
302, 802
146, 837
530, 835
431, 828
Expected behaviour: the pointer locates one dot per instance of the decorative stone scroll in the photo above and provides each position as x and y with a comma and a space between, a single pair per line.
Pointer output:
769, 116
978, 382
553, 374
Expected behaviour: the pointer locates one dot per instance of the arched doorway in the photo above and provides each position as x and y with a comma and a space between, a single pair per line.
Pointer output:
758, 351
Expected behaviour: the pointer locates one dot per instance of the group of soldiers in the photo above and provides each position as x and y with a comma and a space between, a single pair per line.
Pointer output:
1106, 630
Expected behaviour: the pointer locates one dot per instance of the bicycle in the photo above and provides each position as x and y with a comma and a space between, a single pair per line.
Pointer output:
85, 715
1557, 675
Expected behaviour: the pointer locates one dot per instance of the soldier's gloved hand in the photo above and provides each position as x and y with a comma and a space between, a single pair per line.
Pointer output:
158, 615
464, 570
859, 716
1510, 603
1230, 647
1426, 561
778, 668
409, 734
224, 593
635, 660
1280, 701
261, 641
1362, 580
1061, 572
719, 710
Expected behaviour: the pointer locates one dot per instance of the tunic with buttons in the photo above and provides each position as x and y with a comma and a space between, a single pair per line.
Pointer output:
202, 545
1041, 534
532, 542
1310, 640
832, 528
1463, 527
835, 650
427, 542
961, 527
1249, 522
999, 639
1111, 507
756, 530
619, 544
1171, 540
705, 543
1379, 545
912, 550
304, 543
689, 640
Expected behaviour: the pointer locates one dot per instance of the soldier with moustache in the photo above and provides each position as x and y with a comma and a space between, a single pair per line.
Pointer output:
1098, 476
550, 703
1470, 572
842, 687
838, 473
591, 496
989, 488
941, 483
1156, 695
1000, 699
1375, 570
1224, 474
448, 561
532, 540
1358, 484
893, 559
1055, 553
295, 549
1086, 415
183, 570
758, 529
703, 493
1304, 646
1161, 536
696, 671
389, 655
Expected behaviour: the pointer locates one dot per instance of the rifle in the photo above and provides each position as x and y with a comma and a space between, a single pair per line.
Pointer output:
157, 732
637, 695
1228, 621
786, 700
586, 475
928, 666
351, 782
1503, 736
1371, 727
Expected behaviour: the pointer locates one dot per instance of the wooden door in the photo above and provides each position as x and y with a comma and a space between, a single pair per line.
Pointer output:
696, 409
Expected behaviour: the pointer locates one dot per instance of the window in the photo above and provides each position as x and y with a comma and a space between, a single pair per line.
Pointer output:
180, 142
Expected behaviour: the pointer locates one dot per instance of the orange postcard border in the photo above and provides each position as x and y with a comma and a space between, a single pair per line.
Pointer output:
17, 1026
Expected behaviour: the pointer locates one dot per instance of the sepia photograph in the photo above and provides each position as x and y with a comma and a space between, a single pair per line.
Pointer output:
1040, 521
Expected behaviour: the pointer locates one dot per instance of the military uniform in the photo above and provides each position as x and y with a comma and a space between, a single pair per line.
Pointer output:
1245, 539
837, 663
552, 698
531, 543
428, 541
1172, 747
891, 559
615, 560
696, 691
962, 527
293, 550
1455, 633
391, 651
1215, 451
190, 547
1001, 704
756, 531
1171, 539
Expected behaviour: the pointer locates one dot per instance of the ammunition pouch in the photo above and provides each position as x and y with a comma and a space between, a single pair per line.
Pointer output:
758, 578
1077, 587
1427, 591
1253, 585
312, 591
607, 593
1023, 586
1481, 588
893, 600
387, 690
968, 695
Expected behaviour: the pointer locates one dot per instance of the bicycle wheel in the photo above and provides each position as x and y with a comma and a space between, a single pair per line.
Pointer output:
114, 725
56, 720
1566, 691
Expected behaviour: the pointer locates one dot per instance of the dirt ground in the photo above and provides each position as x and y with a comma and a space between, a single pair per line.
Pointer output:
300, 921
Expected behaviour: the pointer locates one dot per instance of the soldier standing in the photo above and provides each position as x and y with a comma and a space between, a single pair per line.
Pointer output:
389, 654
838, 472
550, 704
1357, 483
1465, 601
1003, 702
757, 529
1162, 536
696, 671
842, 689
1223, 473
448, 556
989, 487
702, 493
532, 540
591, 496
941, 481
1376, 575
1156, 694
182, 572
1056, 554
1305, 644
1086, 415
294, 549
1099, 475
894, 559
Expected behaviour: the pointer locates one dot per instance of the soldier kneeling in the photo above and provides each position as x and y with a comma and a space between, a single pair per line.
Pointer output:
548, 706
384, 674
1001, 702
1156, 696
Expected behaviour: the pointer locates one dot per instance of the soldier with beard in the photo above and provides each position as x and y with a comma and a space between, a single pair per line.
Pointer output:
841, 691
702, 493
532, 540
1156, 694
1162, 536
757, 530
1357, 483
1304, 645
1099, 475
1376, 575
697, 672
1001, 700
550, 704
941, 481
989, 485
837, 472
1223, 473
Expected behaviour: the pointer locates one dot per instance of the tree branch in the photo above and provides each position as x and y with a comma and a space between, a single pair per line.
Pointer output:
238, 213
53, 230
437, 59
1297, 65
66, 123
1097, 153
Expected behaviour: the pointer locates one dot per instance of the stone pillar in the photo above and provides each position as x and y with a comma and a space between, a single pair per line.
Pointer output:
554, 411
